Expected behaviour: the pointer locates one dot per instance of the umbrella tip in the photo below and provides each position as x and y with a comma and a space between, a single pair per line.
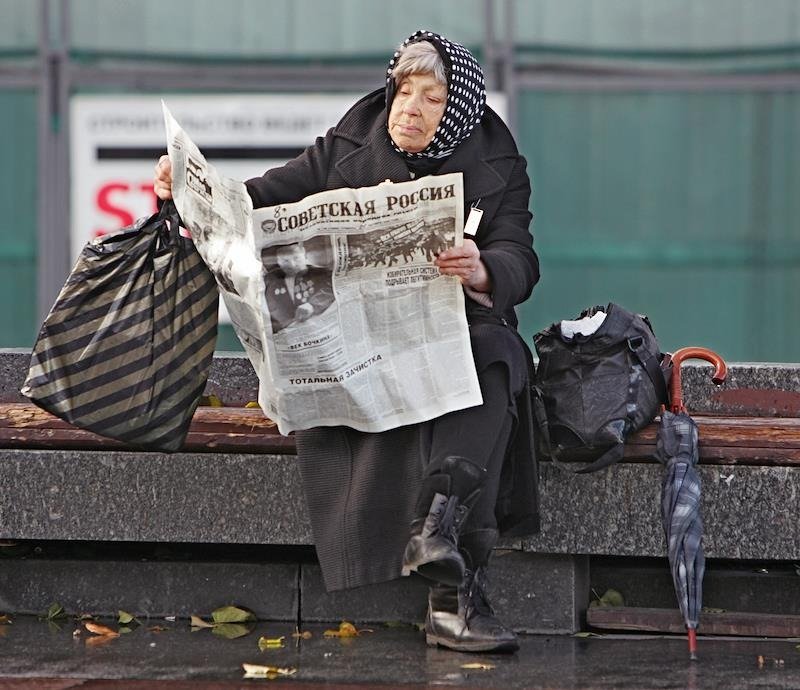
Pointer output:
692, 635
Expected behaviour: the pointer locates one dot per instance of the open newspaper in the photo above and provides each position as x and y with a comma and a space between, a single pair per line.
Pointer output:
335, 298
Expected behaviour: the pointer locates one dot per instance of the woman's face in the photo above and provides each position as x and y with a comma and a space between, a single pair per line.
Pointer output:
417, 108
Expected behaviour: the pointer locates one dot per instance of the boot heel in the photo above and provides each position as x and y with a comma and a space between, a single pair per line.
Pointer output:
431, 640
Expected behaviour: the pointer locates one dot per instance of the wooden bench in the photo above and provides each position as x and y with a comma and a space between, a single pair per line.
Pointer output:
762, 441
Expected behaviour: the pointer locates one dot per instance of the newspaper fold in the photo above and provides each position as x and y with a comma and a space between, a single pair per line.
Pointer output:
335, 298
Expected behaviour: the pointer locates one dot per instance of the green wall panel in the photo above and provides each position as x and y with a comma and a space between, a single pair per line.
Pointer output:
304, 29
307, 28
649, 24
19, 28
17, 218
681, 205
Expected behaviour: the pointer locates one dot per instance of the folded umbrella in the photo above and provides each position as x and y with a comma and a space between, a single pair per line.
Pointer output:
677, 449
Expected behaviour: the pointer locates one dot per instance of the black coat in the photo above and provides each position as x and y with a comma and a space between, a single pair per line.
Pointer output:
360, 487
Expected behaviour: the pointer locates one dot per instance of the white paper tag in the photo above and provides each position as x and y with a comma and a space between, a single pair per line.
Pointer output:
473, 220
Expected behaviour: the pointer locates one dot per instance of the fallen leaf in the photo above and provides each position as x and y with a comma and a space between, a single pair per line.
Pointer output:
232, 614
55, 612
270, 642
478, 666
99, 640
198, 622
230, 631
252, 404
228, 622
256, 671
611, 597
305, 635
586, 634
157, 629
171, 619
124, 617
5, 620
98, 629
210, 400
345, 630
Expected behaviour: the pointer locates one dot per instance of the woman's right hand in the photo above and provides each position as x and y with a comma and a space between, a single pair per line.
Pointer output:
162, 181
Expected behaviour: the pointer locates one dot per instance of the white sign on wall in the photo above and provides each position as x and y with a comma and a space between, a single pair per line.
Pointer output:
116, 141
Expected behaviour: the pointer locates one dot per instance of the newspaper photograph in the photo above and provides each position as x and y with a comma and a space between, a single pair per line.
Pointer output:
335, 298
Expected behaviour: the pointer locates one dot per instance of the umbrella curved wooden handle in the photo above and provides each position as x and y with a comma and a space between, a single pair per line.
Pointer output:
677, 358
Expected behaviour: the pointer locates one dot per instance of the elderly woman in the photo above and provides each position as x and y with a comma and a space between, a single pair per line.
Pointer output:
463, 478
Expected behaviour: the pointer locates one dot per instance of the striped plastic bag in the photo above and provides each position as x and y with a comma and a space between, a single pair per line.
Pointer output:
126, 349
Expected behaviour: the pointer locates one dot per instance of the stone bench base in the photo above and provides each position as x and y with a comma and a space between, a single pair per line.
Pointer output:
539, 584
258, 499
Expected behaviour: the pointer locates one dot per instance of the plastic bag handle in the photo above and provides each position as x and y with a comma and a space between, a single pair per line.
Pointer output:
168, 213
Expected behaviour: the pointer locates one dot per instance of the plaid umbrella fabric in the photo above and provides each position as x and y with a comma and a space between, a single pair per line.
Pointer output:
680, 512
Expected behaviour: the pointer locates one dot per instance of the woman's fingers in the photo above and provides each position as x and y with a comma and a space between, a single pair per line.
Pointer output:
162, 181
460, 261
465, 263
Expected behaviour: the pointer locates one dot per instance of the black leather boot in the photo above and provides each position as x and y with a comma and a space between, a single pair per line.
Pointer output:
461, 617
444, 503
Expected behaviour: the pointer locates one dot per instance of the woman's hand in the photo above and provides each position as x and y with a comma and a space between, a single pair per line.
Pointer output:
162, 181
465, 263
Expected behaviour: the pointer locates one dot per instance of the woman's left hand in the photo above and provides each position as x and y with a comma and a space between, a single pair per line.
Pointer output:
465, 263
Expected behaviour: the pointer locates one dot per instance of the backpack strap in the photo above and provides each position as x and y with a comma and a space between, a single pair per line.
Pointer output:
612, 455
651, 365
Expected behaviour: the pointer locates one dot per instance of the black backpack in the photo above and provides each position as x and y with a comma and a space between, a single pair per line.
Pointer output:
591, 392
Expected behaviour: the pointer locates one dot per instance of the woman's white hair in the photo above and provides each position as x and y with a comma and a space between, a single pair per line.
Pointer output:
419, 58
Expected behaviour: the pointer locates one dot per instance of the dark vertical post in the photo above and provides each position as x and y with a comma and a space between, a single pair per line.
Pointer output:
489, 61
509, 75
53, 254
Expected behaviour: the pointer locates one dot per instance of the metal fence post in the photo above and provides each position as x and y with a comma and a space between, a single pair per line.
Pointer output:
53, 255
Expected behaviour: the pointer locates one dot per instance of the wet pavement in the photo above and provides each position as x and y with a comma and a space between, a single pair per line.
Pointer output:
36, 654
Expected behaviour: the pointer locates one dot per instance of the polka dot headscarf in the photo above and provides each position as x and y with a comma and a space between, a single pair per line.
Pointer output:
466, 96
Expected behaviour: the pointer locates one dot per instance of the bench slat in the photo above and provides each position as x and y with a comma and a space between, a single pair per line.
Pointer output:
213, 429
723, 440
757, 432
